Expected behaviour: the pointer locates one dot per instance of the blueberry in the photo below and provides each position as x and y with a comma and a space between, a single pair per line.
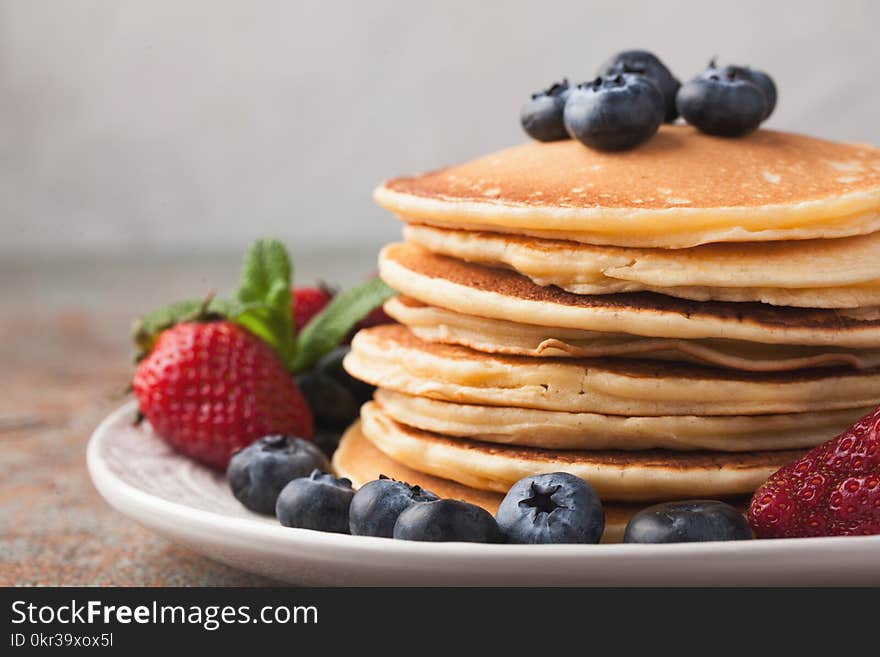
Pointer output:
333, 405
687, 522
257, 473
541, 116
377, 505
551, 508
645, 63
614, 113
725, 102
763, 81
331, 365
447, 520
319, 501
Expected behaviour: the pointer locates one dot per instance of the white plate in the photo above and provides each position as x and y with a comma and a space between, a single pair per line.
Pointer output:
191, 505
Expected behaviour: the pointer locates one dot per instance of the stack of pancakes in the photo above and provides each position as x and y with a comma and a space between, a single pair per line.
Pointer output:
675, 321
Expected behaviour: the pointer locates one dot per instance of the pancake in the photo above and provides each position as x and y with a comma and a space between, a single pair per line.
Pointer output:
360, 461
357, 459
392, 357
680, 189
558, 430
495, 293
840, 273
497, 336
617, 476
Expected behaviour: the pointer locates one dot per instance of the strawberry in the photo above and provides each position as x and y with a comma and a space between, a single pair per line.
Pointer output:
211, 388
308, 302
833, 490
217, 374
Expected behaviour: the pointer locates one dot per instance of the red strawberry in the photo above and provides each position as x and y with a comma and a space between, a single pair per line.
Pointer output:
308, 302
211, 388
833, 490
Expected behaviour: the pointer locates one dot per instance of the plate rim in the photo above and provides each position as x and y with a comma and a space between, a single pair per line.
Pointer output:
122, 496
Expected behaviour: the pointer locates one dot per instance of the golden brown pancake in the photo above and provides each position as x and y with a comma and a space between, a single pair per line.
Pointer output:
392, 357
531, 427
837, 273
496, 336
680, 189
650, 475
360, 461
357, 459
495, 293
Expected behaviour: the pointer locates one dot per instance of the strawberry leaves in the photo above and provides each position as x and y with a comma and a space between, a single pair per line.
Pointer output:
262, 304
148, 327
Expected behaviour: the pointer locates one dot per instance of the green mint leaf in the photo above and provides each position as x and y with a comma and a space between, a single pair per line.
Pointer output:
266, 264
329, 327
263, 297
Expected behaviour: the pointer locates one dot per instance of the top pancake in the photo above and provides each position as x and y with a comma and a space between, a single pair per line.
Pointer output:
682, 188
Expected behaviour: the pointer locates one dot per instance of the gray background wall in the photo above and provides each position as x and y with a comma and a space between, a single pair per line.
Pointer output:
146, 127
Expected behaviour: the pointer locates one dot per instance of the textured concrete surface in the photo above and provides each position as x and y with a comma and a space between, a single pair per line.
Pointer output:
65, 364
